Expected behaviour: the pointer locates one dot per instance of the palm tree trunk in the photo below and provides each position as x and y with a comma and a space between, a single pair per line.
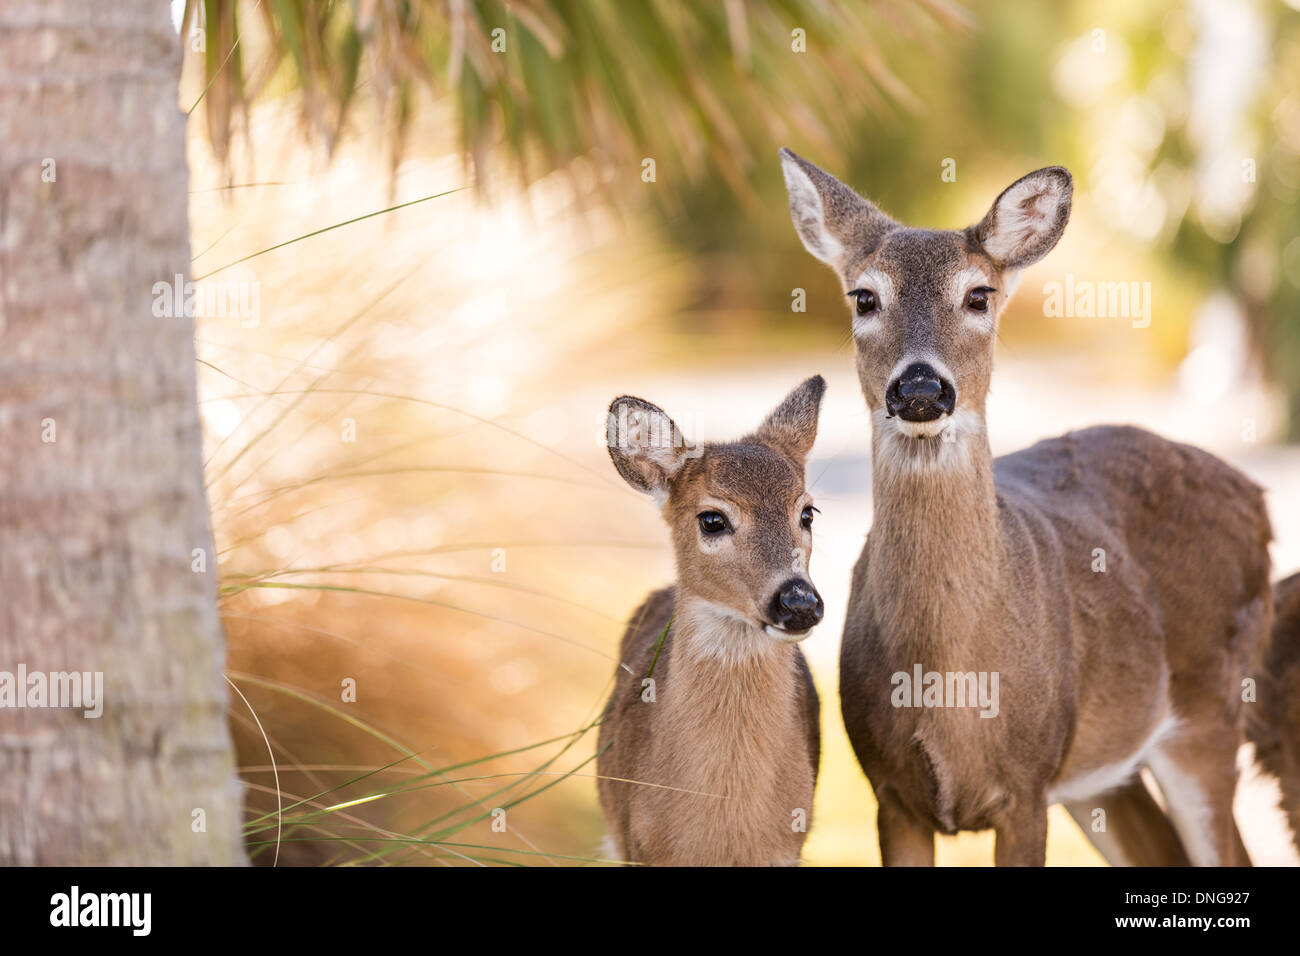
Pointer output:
102, 503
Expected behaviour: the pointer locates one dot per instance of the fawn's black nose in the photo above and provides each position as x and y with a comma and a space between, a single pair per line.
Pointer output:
920, 394
796, 606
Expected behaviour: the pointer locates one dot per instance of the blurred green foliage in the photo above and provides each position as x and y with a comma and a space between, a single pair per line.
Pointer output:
1124, 93
1263, 261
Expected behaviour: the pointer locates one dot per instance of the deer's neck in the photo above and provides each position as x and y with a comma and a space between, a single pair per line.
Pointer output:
730, 694
936, 557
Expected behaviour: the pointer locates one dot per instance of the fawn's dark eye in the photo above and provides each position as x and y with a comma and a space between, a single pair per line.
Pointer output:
978, 299
712, 522
865, 301
806, 518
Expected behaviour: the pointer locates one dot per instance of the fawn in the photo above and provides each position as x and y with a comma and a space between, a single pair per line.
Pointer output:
1116, 582
711, 741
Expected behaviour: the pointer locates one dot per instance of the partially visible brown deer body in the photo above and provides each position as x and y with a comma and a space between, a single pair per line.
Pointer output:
1274, 722
1115, 584
710, 744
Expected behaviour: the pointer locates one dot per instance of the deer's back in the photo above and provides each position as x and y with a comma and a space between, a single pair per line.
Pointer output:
1193, 526
1152, 535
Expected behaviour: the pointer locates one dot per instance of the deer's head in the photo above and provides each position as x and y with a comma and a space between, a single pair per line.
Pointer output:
740, 516
925, 303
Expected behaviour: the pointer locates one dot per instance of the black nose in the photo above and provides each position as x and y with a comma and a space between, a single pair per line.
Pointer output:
920, 394
796, 606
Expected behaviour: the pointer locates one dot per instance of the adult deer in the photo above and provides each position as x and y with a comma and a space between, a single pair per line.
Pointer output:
710, 744
1113, 585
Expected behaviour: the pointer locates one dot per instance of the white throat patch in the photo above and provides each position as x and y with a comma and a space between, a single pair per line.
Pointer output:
718, 633
940, 445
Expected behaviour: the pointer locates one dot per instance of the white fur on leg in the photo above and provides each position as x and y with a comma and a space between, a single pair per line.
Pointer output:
1188, 808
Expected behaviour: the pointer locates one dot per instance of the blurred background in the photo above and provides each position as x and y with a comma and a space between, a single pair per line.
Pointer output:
434, 239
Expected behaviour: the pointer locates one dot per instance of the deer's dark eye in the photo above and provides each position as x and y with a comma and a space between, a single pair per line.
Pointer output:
712, 522
865, 301
806, 518
978, 299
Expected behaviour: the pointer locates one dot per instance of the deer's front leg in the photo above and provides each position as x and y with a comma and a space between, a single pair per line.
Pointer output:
904, 840
1022, 836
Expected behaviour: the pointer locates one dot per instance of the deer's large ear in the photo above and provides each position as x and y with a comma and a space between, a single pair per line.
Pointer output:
830, 218
1028, 218
792, 426
646, 446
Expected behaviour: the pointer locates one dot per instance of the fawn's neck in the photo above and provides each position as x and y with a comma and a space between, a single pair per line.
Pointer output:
936, 553
731, 693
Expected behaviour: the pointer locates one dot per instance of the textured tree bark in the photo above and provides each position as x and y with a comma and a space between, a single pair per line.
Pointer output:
102, 502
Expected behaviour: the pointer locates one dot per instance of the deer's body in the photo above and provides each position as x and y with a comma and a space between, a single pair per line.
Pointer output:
1274, 724
1117, 584
1101, 671
709, 747
739, 738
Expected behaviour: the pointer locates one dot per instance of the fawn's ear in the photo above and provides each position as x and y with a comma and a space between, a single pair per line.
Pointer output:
645, 445
831, 218
1028, 218
792, 426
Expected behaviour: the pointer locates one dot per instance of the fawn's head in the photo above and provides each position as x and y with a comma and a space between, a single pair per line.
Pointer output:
740, 517
925, 302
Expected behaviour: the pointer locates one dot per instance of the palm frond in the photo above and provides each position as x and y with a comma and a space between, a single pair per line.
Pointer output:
694, 86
